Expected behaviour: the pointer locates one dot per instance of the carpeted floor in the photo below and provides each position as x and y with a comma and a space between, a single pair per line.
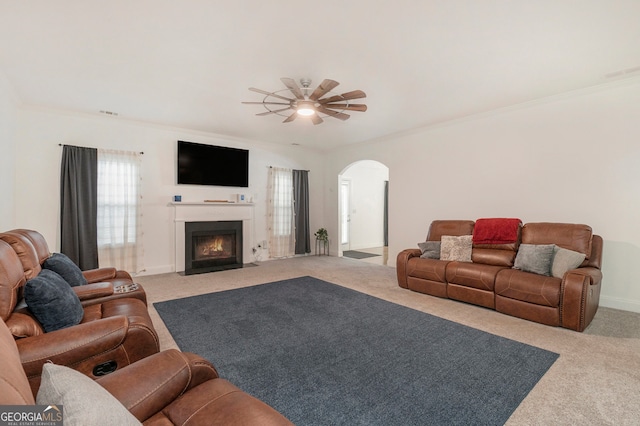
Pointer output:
596, 380
323, 354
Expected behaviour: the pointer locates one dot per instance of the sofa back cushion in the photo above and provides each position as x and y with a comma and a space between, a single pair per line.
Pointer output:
570, 236
38, 241
496, 240
11, 280
454, 228
26, 253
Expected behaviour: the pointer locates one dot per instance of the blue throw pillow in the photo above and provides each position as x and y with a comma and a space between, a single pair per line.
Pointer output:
63, 266
52, 301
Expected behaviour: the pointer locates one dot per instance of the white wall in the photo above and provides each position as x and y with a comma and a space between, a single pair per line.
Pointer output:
572, 158
367, 203
38, 172
7, 153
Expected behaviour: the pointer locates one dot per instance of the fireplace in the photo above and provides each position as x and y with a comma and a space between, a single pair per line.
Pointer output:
212, 246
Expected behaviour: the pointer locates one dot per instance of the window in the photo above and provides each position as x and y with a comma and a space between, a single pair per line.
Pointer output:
119, 210
280, 212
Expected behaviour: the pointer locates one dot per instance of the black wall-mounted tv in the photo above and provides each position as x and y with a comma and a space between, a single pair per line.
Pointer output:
200, 164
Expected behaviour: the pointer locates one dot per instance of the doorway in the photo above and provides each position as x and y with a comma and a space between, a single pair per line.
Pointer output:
363, 211
345, 215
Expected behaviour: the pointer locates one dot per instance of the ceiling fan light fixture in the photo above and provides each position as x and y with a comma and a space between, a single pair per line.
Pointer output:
306, 111
305, 108
319, 104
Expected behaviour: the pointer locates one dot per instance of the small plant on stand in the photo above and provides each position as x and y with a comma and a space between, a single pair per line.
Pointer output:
322, 241
322, 234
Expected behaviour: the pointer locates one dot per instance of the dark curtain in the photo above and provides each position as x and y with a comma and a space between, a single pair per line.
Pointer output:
301, 210
386, 213
79, 205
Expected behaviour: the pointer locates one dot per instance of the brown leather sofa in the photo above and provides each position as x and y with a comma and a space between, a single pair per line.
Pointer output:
103, 283
115, 330
167, 388
490, 280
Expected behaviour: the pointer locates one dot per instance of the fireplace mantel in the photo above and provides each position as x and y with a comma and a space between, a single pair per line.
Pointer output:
211, 211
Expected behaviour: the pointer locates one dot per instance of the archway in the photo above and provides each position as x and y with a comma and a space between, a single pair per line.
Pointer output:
362, 211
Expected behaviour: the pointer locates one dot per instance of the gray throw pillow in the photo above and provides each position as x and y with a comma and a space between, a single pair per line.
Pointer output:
535, 258
63, 266
52, 301
456, 248
430, 249
84, 401
565, 260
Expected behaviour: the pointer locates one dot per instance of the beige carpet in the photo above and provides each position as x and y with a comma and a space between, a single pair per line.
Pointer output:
596, 380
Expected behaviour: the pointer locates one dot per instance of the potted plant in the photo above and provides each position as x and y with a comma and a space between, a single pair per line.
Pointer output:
322, 234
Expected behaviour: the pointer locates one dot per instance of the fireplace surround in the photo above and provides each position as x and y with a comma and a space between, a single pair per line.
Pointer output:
185, 212
212, 246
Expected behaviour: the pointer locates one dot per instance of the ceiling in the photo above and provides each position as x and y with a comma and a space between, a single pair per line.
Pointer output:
190, 63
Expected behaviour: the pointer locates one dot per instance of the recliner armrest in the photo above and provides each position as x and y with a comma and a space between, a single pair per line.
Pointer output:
70, 346
401, 265
149, 385
91, 291
100, 274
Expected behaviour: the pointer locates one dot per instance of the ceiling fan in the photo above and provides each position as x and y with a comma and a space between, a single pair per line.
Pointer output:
309, 103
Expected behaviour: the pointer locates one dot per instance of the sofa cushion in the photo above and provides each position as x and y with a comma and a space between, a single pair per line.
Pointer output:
527, 287
52, 301
63, 266
84, 401
430, 249
535, 258
564, 260
438, 228
456, 248
571, 236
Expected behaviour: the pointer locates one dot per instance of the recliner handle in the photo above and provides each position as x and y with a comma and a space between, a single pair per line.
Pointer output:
105, 368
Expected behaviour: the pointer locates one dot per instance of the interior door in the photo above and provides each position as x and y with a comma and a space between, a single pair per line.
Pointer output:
345, 218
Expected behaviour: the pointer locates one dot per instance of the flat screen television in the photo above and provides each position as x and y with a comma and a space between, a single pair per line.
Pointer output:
200, 164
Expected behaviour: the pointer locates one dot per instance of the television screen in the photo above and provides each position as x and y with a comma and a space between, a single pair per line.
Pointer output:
200, 164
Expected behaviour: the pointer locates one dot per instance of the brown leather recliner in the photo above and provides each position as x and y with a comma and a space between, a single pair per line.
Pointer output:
167, 388
103, 283
112, 334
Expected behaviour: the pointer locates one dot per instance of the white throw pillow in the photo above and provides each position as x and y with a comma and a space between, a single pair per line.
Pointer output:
84, 402
456, 248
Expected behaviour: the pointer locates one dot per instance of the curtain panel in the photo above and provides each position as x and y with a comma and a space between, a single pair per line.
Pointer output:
280, 214
78, 205
120, 210
301, 211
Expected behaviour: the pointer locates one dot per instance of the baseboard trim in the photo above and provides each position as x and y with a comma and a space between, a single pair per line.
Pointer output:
622, 304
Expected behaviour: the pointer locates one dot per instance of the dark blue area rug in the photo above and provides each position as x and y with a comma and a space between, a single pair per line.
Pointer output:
322, 354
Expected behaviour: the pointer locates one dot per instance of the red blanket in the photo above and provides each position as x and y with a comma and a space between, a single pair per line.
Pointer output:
496, 231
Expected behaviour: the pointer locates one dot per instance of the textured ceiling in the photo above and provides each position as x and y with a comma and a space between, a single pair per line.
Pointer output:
190, 63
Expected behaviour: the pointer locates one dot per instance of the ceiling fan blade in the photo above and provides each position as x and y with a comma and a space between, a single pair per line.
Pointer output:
355, 94
323, 88
336, 114
275, 111
266, 103
264, 92
315, 119
292, 117
293, 86
350, 107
